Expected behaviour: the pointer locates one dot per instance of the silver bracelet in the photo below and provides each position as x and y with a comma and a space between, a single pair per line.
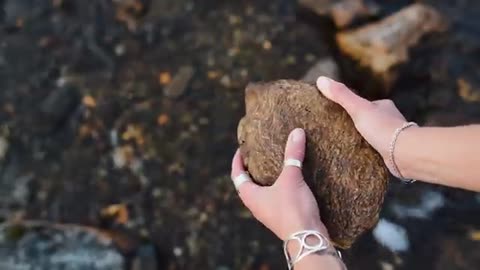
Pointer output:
322, 247
395, 169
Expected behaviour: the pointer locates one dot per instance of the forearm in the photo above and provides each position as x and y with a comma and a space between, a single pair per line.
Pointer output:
445, 156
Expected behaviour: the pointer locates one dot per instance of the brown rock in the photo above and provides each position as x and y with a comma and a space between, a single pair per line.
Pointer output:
346, 175
384, 45
343, 12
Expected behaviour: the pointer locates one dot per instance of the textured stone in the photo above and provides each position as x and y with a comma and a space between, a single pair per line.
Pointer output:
384, 45
346, 174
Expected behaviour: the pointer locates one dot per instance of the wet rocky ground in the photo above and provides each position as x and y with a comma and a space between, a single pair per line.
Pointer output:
120, 115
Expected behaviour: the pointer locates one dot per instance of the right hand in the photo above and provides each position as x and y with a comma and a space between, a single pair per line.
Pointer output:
290, 193
376, 121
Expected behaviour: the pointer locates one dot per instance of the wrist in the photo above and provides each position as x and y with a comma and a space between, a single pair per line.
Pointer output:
314, 225
300, 254
404, 149
317, 226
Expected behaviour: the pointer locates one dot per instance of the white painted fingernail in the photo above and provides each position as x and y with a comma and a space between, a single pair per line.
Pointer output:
323, 84
297, 135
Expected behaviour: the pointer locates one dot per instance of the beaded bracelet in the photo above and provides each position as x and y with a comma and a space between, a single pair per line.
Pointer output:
394, 166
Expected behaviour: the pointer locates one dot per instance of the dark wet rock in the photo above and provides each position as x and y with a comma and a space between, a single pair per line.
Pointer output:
14, 189
383, 46
457, 253
39, 245
323, 67
145, 259
180, 82
15, 12
59, 105
347, 176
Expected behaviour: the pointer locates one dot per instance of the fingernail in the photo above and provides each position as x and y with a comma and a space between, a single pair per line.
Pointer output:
323, 84
297, 135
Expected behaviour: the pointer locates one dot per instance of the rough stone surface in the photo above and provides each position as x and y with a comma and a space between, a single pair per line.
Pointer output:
347, 176
384, 45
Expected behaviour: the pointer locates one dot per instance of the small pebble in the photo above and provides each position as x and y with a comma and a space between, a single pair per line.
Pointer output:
3, 147
163, 119
430, 202
386, 266
234, 19
177, 251
164, 78
267, 45
89, 101
179, 83
203, 121
326, 66
244, 73
392, 236
226, 81
122, 156
212, 74
120, 49
114, 137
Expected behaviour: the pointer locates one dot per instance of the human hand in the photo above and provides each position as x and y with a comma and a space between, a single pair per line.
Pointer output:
288, 206
376, 121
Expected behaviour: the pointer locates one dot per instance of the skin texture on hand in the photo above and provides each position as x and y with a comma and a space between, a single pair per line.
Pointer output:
287, 206
446, 156
376, 121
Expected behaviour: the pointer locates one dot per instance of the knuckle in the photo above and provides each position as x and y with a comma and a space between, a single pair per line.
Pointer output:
389, 102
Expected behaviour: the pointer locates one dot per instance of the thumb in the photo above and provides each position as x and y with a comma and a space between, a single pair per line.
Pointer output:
294, 155
340, 94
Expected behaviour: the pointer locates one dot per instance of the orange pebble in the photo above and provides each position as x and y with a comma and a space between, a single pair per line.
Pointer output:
89, 101
163, 119
165, 78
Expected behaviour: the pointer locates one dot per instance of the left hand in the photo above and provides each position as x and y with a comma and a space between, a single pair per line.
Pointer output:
288, 206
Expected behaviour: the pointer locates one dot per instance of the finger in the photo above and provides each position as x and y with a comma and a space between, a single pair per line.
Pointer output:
247, 190
237, 164
339, 93
294, 155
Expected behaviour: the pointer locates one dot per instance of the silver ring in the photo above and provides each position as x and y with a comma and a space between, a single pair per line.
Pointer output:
292, 162
242, 178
